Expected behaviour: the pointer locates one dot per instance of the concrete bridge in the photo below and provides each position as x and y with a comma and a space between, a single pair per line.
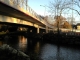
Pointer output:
20, 14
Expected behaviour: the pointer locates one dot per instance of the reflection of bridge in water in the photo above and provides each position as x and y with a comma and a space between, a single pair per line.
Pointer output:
19, 14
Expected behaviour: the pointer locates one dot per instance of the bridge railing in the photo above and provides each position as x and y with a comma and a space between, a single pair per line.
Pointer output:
22, 6
33, 13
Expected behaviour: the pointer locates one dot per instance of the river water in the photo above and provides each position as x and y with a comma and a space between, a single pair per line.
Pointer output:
38, 50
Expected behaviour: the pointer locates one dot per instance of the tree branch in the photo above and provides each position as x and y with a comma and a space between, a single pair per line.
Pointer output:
75, 10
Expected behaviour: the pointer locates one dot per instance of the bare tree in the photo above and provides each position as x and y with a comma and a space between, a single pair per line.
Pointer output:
58, 6
63, 23
66, 25
76, 4
69, 19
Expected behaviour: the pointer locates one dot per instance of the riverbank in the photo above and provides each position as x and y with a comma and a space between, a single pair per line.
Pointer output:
9, 53
62, 39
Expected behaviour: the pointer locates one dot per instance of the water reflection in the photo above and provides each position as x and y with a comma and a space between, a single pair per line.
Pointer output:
43, 51
54, 52
58, 54
1, 43
37, 47
48, 52
22, 43
70, 53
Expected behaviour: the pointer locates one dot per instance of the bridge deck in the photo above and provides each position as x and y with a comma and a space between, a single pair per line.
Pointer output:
12, 12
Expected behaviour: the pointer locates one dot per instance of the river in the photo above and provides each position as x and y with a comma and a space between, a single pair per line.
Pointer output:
38, 50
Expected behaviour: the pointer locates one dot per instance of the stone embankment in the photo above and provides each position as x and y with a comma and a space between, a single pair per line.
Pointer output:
9, 53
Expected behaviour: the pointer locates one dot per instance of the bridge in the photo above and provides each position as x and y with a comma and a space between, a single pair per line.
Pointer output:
20, 14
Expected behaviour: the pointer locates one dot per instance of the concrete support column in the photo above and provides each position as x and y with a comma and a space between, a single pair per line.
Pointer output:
46, 29
38, 30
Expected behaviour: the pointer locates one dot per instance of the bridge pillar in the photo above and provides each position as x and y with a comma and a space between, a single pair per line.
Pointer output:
38, 30
46, 29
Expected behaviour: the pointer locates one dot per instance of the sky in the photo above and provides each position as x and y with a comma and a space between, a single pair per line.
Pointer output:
35, 5
40, 10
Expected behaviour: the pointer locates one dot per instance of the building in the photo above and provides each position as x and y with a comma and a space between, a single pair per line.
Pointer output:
78, 26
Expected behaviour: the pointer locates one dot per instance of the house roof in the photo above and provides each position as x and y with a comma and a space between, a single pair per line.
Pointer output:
78, 23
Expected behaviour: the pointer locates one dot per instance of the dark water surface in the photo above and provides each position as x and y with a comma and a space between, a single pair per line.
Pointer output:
42, 51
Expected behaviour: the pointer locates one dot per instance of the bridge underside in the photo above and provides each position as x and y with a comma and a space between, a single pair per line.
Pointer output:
13, 27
